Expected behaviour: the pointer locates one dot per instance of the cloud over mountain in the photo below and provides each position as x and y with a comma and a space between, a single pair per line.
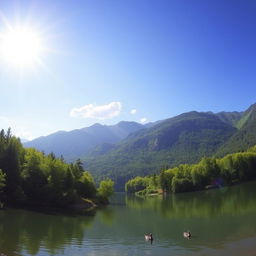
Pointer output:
143, 120
100, 112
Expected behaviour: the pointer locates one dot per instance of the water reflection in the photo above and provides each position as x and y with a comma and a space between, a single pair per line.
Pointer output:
232, 201
28, 231
107, 215
214, 217
218, 220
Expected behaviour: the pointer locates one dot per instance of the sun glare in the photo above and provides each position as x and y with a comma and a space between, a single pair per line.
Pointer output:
21, 47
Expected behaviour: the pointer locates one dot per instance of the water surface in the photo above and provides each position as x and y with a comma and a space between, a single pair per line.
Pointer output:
222, 222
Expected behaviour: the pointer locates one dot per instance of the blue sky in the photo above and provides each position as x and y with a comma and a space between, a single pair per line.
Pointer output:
160, 58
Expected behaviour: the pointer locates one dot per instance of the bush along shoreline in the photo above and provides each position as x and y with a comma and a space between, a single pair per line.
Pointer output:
209, 173
29, 178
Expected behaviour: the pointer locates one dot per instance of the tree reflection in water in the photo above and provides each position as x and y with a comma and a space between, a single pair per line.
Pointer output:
28, 231
232, 201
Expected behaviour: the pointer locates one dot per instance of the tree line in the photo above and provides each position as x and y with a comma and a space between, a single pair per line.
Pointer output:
208, 173
28, 176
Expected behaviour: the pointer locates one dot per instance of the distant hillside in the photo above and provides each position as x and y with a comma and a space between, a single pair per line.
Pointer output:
77, 143
128, 149
245, 136
231, 118
182, 139
100, 149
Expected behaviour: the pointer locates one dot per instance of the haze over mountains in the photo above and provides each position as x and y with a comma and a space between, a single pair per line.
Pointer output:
129, 149
76, 143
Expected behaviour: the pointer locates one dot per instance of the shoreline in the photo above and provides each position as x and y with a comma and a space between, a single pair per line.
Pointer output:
206, 188
85, 207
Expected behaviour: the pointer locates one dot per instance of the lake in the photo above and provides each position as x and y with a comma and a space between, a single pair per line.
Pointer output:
222, 222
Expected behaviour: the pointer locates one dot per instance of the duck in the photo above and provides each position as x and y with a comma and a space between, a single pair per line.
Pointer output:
149, 237
187, 235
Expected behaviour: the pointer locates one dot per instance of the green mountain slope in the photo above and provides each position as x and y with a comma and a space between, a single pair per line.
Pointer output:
183, 139
232, 118
245, 136
128, 149
76, 143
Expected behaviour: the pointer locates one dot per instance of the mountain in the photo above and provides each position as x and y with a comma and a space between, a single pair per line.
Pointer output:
151, 124
100, 149
76, 143
231, 118
129, 149
245, 136
182, 139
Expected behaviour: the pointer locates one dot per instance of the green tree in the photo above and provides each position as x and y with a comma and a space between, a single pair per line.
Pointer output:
34, 177
2, 185
11, 164
85, 185
106, 188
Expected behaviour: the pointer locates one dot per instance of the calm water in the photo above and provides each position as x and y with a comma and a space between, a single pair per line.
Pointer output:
222, 222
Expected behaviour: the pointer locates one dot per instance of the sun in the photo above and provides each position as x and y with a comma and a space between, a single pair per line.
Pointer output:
21, 47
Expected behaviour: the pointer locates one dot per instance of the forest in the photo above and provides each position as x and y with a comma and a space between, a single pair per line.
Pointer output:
30, 177
208, 173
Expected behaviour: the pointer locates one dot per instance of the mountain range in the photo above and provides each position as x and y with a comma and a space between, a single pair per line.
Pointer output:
76, 143
128, 149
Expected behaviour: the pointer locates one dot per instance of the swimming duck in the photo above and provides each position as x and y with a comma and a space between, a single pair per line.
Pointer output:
149, 237
187, 235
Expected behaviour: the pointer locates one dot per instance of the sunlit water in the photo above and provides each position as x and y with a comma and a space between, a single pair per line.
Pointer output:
222, 222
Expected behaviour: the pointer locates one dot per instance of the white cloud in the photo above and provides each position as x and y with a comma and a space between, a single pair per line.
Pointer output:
143, 120
101, 112
133, 111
